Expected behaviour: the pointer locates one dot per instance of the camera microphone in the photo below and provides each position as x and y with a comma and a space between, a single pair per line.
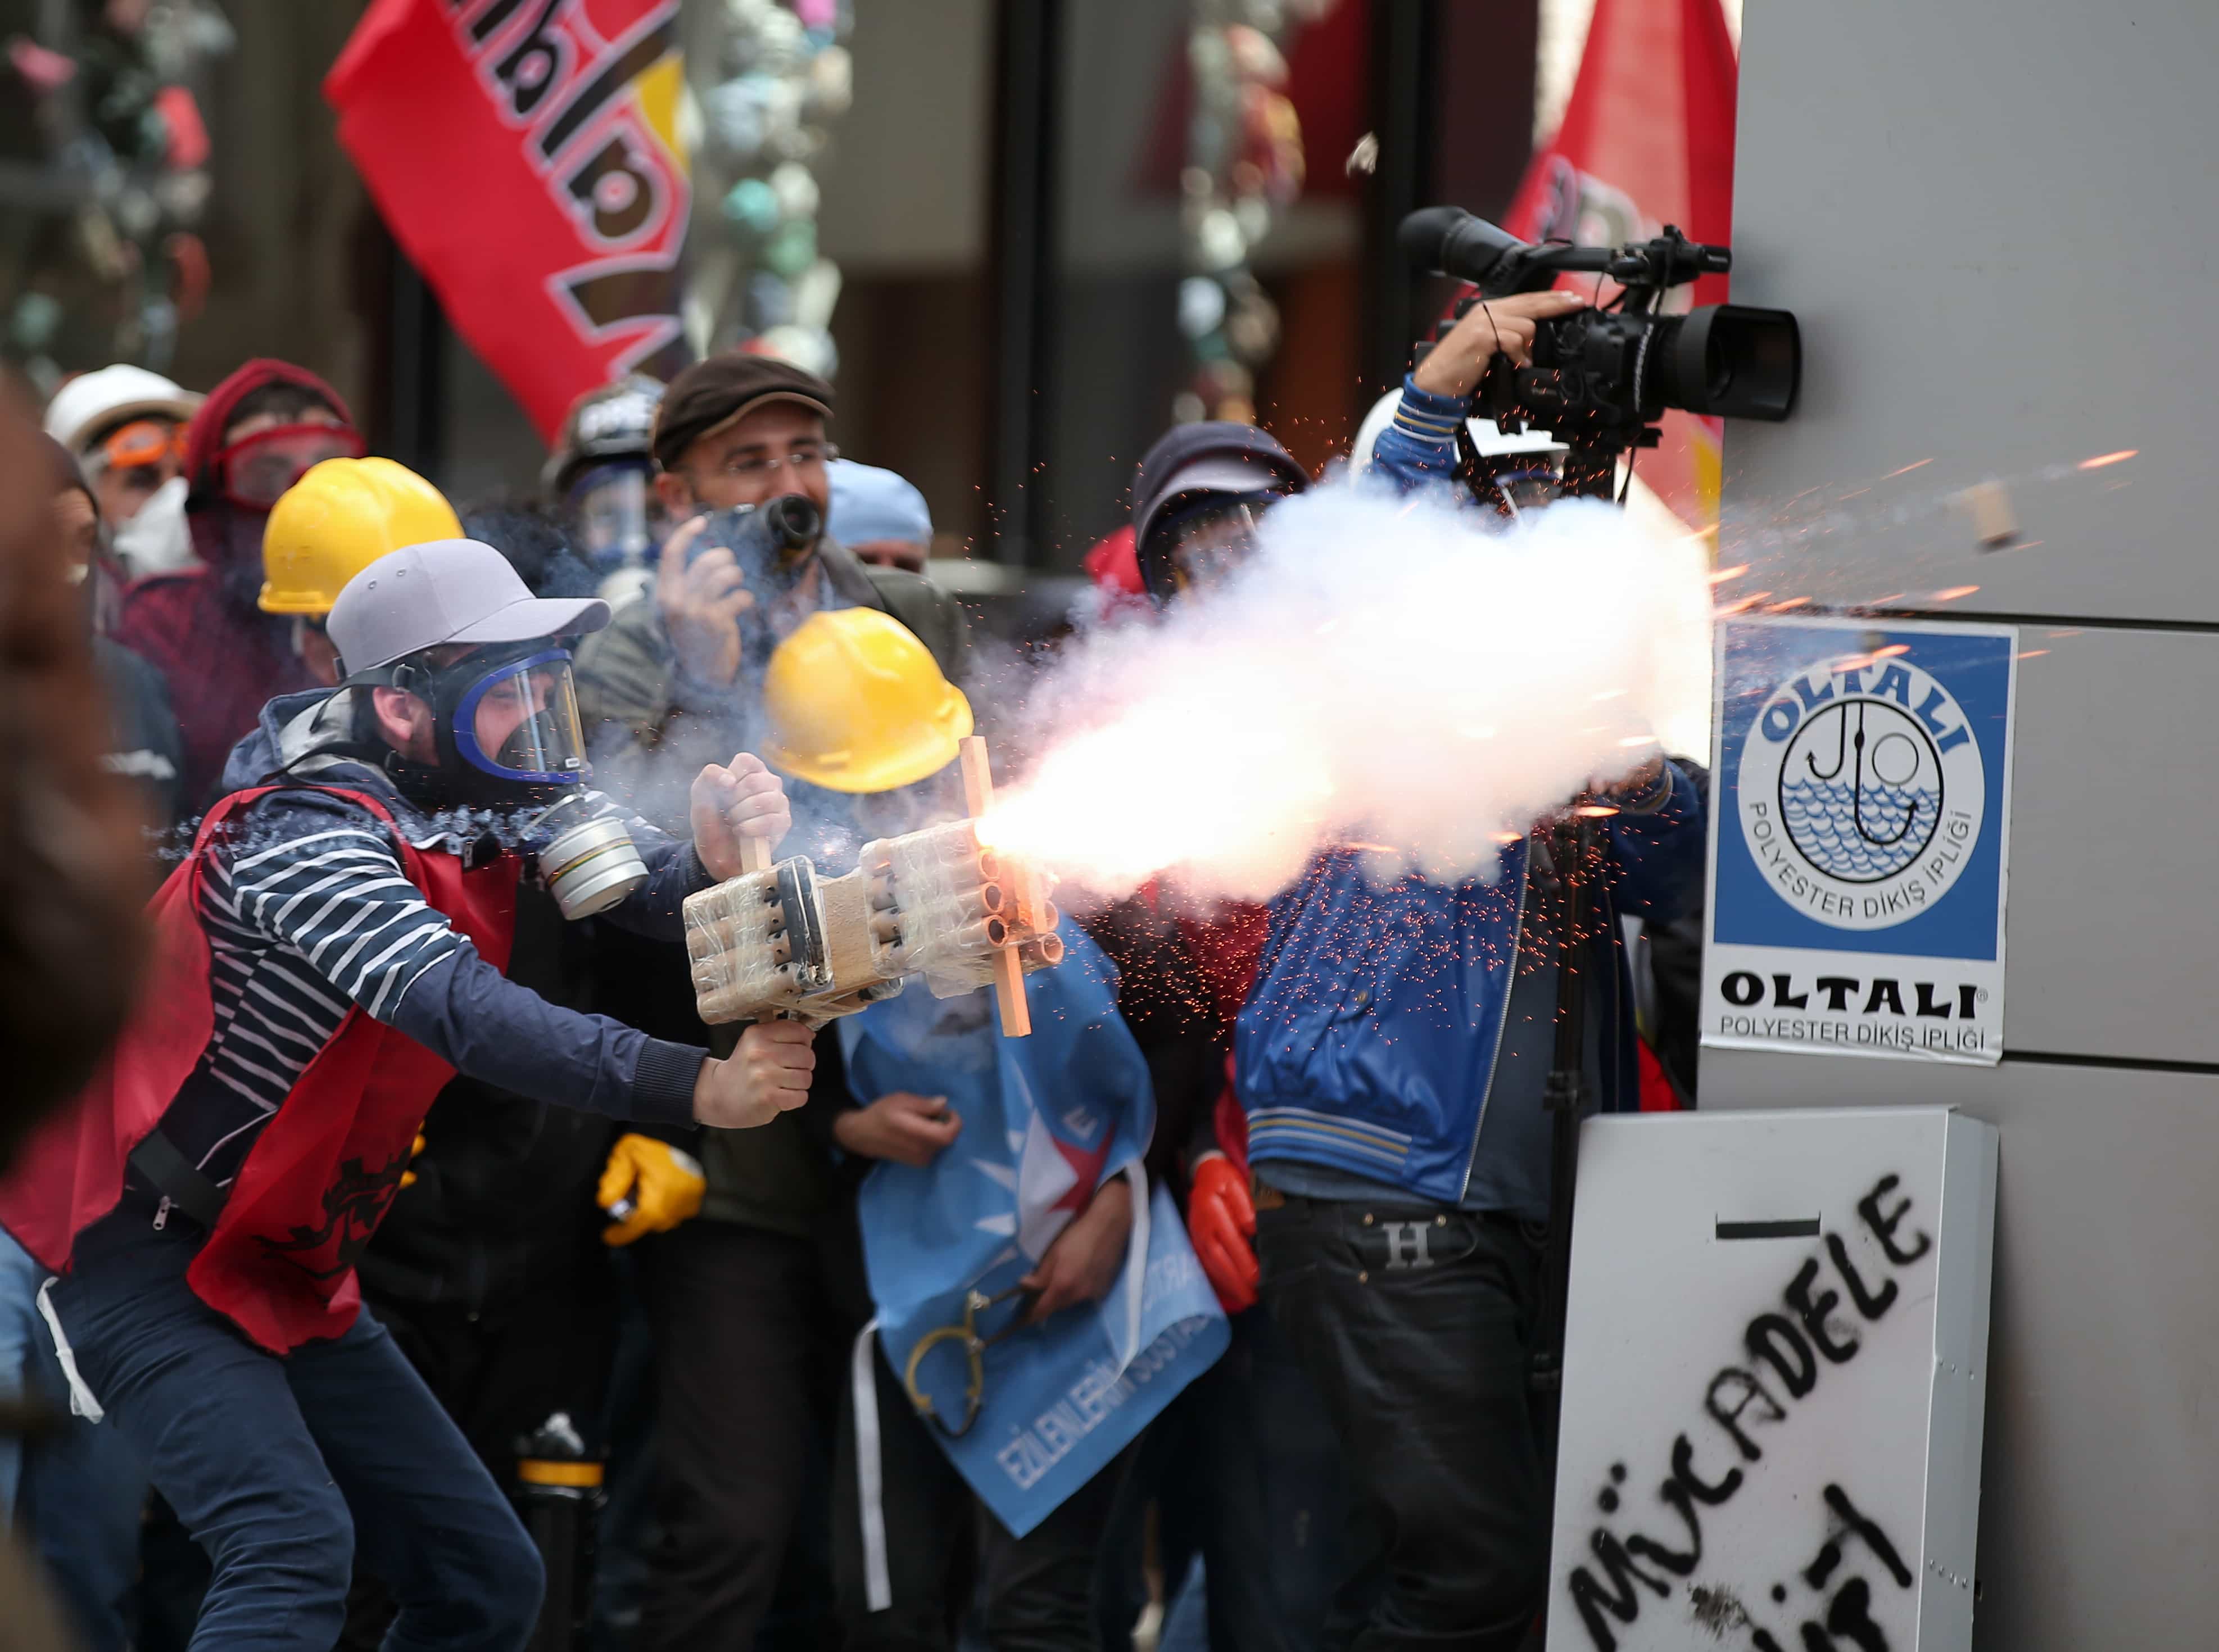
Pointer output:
1450, 240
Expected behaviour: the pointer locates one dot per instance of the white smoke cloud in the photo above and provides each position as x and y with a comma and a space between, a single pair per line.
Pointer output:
1387, 671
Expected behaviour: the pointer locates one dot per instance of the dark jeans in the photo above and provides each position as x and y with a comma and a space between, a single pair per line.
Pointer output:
500, 1375
1244, 1470
750, 1336
284, 1468
1414, 1323
1034, 1594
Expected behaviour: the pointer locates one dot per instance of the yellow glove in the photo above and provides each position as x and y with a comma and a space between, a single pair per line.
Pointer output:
650, 1187
408, 1177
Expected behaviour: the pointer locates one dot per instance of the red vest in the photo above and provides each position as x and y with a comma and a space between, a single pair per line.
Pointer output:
318, 1179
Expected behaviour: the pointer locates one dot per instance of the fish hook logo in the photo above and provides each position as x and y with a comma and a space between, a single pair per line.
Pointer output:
1863, 791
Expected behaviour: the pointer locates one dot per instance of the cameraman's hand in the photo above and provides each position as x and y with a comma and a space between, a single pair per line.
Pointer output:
1455, 366
701, 605
767, 1075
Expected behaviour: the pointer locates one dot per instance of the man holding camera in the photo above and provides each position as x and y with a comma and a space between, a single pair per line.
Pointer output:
747, 1314
1392, 1060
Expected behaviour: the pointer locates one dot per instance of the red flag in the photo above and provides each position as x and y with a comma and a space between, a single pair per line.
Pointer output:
1647, 140
526, 156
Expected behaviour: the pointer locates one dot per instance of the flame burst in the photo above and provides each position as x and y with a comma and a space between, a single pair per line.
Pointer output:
1384, 674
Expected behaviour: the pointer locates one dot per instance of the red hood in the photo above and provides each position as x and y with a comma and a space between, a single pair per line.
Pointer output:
204, 439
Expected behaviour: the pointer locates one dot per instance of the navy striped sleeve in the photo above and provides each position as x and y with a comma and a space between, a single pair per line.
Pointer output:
339, 900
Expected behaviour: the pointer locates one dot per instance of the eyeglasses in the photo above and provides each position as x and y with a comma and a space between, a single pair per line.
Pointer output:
141, 443
754, 468
258, 469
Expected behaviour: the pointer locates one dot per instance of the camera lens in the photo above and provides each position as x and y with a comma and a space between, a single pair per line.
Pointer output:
1730, 360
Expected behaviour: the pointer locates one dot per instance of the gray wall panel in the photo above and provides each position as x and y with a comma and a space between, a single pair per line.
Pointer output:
1992, 216
2113, 941
1993, 219
2097, 1503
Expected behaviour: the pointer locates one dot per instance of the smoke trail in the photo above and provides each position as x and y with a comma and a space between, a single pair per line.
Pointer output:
1385, 672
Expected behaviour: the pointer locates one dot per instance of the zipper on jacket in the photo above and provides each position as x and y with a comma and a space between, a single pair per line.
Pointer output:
1502, 1020
162, 1213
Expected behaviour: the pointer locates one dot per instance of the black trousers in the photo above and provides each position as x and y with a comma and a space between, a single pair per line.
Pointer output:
1414, 1324
500, 1374
750, 1331
1034, 1594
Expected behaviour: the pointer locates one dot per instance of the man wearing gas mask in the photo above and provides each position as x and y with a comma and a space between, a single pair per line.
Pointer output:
600, 482
332, 951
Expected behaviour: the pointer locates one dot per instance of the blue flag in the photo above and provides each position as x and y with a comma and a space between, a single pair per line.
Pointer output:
1046, 1120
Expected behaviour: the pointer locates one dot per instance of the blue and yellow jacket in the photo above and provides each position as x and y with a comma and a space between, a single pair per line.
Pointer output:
1372, 1042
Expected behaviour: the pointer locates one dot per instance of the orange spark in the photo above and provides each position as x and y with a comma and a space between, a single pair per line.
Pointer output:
1791, 602
1906, 470
1954, 591
2033, 654
2103, 459
1893, 647
1639, 740
1595, 811
1725, 574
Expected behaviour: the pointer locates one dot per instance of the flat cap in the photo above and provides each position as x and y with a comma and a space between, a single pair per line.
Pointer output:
713, 393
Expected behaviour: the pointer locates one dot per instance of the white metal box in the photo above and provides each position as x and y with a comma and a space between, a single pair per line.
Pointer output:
1775, 1371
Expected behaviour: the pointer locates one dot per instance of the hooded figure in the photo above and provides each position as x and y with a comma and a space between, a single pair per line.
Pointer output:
1196, 497
222, 658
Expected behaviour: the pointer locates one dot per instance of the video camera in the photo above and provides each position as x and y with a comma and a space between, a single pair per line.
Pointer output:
1600, 378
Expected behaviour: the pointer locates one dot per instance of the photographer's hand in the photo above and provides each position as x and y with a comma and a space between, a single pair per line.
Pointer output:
1455, 366
701, 603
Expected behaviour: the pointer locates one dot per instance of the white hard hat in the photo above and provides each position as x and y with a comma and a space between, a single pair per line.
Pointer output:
1367, 433
91, 402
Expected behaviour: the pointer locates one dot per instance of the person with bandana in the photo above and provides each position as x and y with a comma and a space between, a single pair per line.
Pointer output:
334, 949
222, 658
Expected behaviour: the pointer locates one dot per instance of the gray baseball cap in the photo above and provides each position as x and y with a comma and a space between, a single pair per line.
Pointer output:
446, 591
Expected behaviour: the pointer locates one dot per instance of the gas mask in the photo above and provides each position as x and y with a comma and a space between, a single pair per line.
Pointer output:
504, 724
611, 505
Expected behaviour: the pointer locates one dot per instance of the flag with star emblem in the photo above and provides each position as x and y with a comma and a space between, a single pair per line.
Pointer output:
1046, 1121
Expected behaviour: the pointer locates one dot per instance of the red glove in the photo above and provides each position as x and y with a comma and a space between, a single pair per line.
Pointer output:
1220, 1220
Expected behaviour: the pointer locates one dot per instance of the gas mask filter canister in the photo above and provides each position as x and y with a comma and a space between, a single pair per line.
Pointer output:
587, 857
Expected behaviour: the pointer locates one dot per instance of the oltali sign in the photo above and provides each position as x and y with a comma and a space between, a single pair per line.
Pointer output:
1859, 841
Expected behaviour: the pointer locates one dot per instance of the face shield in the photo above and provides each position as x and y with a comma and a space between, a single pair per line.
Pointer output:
1526, 481
1512, 474
610, 505
516, 719
1212, 541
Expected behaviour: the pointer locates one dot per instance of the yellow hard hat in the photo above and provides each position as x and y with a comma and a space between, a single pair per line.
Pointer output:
857, 703
340, 517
